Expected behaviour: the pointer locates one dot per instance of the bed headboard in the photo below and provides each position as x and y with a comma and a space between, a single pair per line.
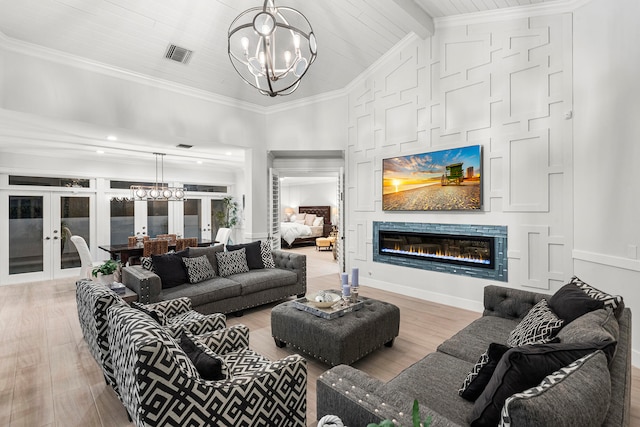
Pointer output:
323, 211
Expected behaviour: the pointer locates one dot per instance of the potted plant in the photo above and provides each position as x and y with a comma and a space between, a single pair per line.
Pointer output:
106, 271
415, 417
228, 216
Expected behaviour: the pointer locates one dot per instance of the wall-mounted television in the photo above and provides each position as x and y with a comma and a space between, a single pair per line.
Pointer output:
438, 180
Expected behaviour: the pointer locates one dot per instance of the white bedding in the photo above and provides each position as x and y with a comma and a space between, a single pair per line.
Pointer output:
290, 231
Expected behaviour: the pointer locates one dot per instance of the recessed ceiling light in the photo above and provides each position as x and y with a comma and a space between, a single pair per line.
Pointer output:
228, 153
100, 152
199, 162
112, 138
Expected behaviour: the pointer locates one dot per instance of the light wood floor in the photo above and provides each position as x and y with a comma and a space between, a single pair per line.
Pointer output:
49, 378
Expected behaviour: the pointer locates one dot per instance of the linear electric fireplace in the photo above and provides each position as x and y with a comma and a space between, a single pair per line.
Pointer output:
474, 250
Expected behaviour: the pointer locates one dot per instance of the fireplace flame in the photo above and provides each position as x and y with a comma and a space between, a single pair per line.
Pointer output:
439, 253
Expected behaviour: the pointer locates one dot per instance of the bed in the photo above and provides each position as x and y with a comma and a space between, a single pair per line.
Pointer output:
295, 233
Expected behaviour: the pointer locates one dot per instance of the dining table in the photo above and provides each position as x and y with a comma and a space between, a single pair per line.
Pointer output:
125, 251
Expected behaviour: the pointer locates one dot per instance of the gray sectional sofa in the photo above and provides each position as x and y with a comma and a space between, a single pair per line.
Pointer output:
594, 391
230, 294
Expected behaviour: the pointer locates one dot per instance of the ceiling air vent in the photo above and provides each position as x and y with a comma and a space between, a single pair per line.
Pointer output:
179, 54
184, 146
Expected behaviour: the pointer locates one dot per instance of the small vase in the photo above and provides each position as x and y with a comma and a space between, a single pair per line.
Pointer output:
105, 279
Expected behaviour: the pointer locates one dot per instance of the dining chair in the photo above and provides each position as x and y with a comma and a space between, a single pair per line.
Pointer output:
222, 236
155, 247
86, 262
185, 243
132, 240
170, 237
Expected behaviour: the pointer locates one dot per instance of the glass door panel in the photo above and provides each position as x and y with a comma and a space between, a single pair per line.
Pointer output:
157, 217
122, 220
26, 234
216, 206
192, 218
74, 220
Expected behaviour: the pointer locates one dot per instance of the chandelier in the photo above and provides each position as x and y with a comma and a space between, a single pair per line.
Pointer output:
159, 191
272, 48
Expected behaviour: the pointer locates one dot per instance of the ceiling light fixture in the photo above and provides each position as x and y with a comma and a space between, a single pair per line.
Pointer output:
159, 191
272, 48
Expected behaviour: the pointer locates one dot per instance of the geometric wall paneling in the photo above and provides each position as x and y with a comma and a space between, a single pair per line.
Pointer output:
359, 241
364, 185
527, 173
364, 131
400, 123
461, 53
466, 107
535, 255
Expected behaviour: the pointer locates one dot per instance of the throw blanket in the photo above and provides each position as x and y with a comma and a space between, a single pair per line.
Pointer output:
290, 231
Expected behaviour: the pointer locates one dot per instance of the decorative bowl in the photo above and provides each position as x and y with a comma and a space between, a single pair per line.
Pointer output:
324, 299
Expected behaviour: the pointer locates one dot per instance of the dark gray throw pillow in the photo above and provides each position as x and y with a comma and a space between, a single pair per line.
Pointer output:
253, 252
170, 269
571, 302
209, 368
520, 369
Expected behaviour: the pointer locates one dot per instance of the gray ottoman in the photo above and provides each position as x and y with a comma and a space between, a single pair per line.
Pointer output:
336, 341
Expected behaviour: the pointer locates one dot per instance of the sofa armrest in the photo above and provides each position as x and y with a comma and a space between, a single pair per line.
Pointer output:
359, 399
294, 262
195, 323
226, 340
172, 308
509, 303
143, 282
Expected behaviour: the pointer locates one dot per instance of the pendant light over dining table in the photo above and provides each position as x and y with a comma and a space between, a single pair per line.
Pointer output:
159, 190
272, 48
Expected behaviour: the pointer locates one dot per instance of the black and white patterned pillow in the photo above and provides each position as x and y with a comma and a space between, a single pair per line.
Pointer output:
539, 326
267, 255
232, 262
476, 381
613, 301
147, 263
198, 269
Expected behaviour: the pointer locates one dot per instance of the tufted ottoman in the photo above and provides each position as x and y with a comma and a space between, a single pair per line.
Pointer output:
342, 340
323, 243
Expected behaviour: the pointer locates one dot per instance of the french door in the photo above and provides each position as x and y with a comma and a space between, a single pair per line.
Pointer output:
36, 226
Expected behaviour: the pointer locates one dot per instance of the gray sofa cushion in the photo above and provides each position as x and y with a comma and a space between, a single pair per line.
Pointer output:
600, 326
260, 280
434, 381
469, 343
215, 289
576, 395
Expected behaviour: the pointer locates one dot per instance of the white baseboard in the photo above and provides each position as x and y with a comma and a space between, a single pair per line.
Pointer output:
439, 298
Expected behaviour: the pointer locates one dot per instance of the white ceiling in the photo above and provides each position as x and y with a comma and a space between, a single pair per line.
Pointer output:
133, 35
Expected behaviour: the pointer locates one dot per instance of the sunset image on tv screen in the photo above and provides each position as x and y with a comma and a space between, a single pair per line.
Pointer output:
439, 180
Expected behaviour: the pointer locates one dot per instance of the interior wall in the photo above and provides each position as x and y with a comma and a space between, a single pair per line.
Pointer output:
504, 85
309, 194
607, 153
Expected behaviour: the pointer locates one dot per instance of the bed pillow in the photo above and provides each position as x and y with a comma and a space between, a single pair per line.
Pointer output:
540, 325
318, 221
308, 220
300, 221
253, 254
232, 262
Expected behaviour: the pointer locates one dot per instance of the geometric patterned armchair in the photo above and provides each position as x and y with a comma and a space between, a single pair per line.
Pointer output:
160, 385
94, 299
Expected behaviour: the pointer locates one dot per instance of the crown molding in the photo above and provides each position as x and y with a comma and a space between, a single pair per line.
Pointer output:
37, 51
